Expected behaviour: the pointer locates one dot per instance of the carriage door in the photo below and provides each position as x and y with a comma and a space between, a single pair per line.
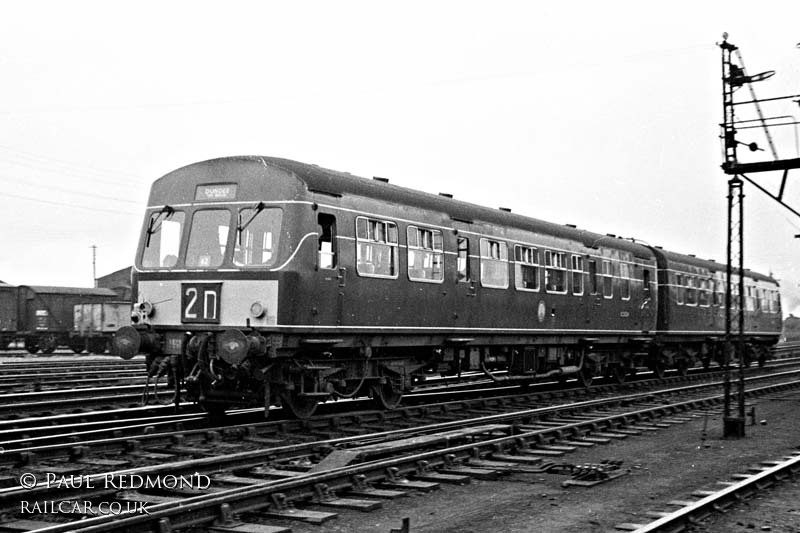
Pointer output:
648, 303
331, 276
465, 279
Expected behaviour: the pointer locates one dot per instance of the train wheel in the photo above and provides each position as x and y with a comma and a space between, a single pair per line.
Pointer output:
215, 410
586, 376
706, 361
683, 367
659, 369
386, 395
616, 373
301, 407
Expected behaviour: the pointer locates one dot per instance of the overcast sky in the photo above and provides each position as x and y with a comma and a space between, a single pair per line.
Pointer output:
600, 114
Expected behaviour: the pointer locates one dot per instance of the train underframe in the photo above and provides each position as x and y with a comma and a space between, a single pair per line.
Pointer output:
233, 369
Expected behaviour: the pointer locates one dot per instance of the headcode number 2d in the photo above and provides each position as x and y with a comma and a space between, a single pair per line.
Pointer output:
200, 302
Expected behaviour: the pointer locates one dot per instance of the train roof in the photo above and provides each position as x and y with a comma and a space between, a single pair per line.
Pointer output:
710, 264
333, 182
81, 291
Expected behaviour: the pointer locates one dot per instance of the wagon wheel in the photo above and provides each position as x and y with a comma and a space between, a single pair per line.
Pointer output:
617, 373
386, 395
31, 345
98, 345
301, 407
77, 344
48, 343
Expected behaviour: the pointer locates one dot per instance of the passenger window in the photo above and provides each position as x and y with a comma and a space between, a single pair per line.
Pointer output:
326, 242
494, 264
702, 293
646, 283
555, 271
593, 287
526, 268
577, 275
679, 289
608, 280
376, 248
462, 261
425, 254
625, 281
691, 290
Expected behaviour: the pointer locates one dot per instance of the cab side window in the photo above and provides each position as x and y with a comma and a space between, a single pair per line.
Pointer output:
326, 242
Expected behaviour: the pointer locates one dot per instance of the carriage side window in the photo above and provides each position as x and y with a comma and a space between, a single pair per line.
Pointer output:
462, 261
646, 284
326, 242
257, 232
494, 268
577, 275
593, 287
163, 239
425, 254
208, 238
376, 248
526, 268
555, 271
608, 279
761, 300
749, 300
691, 290
702, 293
625, 281
678, 289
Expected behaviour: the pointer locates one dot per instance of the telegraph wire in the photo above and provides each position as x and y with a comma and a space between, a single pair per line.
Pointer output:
65, 204
79, 193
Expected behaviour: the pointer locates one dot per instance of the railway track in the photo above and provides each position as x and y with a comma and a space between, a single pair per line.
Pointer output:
57, 434
703, 503
435, 446
43, 434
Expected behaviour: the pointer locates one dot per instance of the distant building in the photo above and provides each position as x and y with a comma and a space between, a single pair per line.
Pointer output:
119, 282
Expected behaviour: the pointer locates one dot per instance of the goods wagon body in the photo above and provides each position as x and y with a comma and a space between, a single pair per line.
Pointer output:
94, 324
46, 313
8, 314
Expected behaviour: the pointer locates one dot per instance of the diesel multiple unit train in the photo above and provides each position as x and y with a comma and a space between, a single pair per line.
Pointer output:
271, 282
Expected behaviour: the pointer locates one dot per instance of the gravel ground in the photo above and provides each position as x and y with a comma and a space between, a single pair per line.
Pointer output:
665, 465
